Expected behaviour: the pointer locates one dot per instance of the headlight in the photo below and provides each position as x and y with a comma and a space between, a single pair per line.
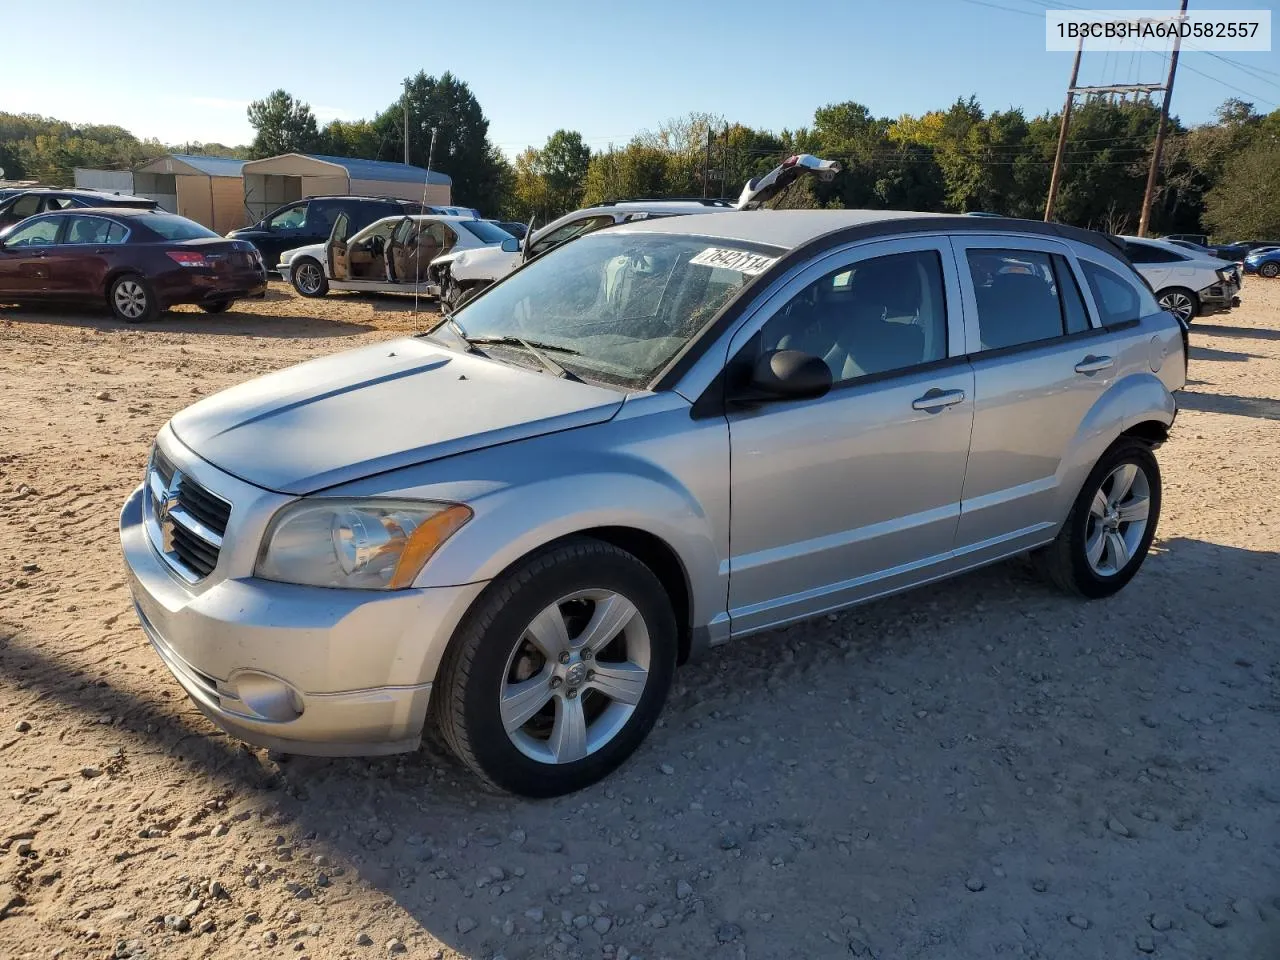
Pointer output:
286, 258
359, 544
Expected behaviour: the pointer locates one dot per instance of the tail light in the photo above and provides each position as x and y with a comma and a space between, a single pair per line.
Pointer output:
187, 258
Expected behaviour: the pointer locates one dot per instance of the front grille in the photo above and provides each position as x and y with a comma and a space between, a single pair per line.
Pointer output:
186, 521
212, 511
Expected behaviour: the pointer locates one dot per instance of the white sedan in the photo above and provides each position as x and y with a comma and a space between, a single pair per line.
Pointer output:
388, 256
1186, 284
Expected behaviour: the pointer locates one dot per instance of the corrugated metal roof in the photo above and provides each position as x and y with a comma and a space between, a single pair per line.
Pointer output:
212, 166
382, 170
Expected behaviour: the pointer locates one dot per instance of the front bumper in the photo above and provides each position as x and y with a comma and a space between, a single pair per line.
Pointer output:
1219, 298
303, 670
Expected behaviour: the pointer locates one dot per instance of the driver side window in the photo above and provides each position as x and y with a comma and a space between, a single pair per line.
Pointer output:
291, 218
874, 316
35, 234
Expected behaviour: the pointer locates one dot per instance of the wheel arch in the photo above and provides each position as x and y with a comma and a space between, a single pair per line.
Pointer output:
1135, 407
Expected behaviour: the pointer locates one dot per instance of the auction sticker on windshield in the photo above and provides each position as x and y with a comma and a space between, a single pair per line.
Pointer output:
740, 261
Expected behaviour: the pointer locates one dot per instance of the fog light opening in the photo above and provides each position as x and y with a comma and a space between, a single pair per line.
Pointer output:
266, 697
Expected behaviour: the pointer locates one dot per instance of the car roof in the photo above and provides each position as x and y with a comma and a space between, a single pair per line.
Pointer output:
789, 229
122, 213
110, 198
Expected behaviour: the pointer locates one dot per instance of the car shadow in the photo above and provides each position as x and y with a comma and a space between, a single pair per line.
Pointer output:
1224, 330
1209, 353
1265, 408
234, 322
865, 730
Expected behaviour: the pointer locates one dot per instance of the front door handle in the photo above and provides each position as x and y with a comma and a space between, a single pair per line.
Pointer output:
1092, 364
38, 254
935, 399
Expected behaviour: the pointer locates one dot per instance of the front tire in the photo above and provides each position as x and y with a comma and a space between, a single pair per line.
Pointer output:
1182, 303
1270, 270
131, 299
559, 671
1111, 525
308, 278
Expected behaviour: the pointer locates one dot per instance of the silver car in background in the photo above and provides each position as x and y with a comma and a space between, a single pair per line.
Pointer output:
658, 438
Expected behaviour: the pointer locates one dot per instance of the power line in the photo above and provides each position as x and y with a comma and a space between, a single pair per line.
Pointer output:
996, 6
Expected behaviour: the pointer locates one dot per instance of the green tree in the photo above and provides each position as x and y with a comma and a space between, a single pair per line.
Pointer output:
282, 125
564, 161
462, 151
356, 138
1244, 203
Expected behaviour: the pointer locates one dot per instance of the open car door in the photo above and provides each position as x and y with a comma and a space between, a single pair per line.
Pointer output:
399, 252
336, 248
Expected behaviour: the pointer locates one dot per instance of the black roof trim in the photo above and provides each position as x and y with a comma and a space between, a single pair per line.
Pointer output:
875, 229
704, 201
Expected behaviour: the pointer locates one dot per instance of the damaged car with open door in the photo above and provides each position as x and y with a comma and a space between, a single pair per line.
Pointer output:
388, 256
461, 274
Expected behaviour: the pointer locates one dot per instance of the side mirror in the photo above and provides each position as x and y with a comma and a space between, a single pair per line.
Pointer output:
511, 245
789, 375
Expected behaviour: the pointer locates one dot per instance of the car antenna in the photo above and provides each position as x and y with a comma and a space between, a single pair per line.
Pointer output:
417, 247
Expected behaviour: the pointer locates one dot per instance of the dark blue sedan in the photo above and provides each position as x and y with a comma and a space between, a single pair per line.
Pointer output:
1265, 261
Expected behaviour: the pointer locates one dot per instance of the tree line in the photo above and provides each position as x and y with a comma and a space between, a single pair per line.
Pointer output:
1215, 178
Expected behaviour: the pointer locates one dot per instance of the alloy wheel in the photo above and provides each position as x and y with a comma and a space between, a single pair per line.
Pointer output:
1270, 269
575, 676
1117, 519
1179, 304
309, 278
130, 299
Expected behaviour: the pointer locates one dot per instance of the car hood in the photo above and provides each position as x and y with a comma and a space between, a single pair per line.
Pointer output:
378, 408
478, 258
313, 250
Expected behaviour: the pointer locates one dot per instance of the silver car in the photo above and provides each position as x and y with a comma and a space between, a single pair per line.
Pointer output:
659, 438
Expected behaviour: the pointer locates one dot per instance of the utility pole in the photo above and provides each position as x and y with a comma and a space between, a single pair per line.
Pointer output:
706, 166
406, 121
1153, 174
1056, 178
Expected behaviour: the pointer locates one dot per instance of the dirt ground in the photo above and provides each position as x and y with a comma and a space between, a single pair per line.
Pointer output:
982, 768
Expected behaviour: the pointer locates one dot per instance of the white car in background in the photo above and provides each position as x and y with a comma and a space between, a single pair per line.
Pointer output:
461, 274
390, 255
1186, 284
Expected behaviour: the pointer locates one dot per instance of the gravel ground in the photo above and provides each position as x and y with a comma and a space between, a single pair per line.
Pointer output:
979, 768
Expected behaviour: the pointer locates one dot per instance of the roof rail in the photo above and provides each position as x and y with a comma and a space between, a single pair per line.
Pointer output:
705, 201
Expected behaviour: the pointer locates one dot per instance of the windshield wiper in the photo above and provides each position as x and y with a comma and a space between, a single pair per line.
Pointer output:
535, 350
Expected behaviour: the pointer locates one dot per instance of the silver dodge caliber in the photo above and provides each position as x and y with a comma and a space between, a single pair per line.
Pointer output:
653, 440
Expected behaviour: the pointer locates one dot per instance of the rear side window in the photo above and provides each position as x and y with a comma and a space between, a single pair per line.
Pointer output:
1150, 253
94, 230
1017, 294
172, 227
1119, 300
485, 232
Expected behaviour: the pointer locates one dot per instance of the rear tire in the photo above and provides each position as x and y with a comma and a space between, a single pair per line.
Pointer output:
540, 723
1101, 547
131, 299
1181, 302
307, 277
218, 306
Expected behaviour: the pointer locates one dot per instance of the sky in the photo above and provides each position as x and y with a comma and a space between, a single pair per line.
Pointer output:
186, 72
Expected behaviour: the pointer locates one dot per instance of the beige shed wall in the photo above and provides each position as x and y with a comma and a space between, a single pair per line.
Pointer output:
437, 193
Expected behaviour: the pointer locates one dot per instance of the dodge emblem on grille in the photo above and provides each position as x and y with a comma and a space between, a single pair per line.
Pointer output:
163, 507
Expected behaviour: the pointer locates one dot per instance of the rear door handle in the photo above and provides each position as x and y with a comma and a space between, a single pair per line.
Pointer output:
935, 399
40, 254
103, 250
1092, 364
